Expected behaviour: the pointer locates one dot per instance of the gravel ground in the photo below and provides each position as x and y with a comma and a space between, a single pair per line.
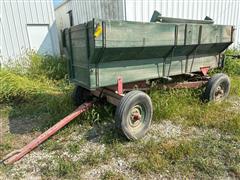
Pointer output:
30, 166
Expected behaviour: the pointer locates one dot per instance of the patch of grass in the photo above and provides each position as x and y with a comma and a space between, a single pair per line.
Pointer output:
52, 145
94, 158
66, 167
110, 175
7, 143
74, 148
158, 156
207, 156
175, 151
154, 163
62, 168
235, 86
174, 103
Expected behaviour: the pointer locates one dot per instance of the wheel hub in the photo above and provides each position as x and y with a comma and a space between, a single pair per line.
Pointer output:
219, 93
135, 116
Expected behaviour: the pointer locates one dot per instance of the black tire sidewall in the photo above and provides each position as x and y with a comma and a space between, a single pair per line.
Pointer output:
126, 104
212, 85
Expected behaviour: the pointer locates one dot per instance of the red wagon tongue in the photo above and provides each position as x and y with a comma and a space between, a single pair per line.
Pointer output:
17, 155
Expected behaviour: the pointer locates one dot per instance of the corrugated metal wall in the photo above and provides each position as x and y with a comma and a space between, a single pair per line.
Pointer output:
226, 12
86, 10
16, 15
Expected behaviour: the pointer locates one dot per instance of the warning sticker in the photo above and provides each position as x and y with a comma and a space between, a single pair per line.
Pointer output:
98, 31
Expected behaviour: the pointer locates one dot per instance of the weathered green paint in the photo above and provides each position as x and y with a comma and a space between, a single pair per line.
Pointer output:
140, 51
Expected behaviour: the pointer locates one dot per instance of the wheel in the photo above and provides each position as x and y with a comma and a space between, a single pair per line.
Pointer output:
217, 88
80, 95
134, 114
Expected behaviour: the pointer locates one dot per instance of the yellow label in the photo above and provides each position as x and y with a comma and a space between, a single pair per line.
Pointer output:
98, 31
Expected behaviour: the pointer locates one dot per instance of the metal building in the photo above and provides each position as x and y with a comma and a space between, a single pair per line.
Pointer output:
27, 25
226, 12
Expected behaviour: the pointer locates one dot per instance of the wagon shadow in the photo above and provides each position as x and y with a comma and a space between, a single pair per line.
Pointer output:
105, 133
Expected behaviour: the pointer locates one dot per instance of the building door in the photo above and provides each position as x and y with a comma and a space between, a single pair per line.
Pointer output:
40, 38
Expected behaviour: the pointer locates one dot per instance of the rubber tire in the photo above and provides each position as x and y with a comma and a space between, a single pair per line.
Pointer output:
126, 103
213, 83
80, 95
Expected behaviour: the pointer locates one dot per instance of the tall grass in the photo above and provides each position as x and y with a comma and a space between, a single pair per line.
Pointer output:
32, 76
37, 66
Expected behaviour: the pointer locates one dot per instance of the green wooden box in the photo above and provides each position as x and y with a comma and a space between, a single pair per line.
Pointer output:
100, 51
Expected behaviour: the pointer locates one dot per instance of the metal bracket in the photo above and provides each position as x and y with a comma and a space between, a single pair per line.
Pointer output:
205, 70
119, 85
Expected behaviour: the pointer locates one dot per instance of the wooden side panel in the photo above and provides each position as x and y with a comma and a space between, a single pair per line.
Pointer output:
136, 70
216, 34
194, 63
135, 34
174, 66
130, 71
80, 55
79, 46
132, 34
192, 34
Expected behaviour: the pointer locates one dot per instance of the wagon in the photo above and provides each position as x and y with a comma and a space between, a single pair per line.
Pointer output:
121, 60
